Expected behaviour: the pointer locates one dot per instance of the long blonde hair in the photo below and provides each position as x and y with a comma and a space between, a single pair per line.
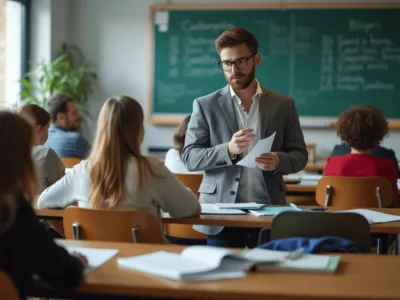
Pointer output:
118, 138
17, 169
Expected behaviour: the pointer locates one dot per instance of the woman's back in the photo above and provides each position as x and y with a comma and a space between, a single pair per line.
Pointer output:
162, 191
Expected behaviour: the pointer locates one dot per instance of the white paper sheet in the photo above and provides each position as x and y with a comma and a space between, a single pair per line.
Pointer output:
247, 205
374, 217
262, 146
212, 209
95, 256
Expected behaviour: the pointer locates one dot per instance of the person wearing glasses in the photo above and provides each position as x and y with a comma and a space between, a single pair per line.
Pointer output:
224, 127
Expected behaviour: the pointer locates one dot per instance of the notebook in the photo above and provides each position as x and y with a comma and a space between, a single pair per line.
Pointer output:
212, 209
248, 205
201, 263
95, 256
270, 210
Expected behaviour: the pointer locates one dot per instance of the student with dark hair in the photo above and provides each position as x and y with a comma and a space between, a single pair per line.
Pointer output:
49, 165
64, 137
26, 248
173, 158
362, 129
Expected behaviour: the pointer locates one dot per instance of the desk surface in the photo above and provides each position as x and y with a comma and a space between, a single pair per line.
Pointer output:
238, 220
358, 277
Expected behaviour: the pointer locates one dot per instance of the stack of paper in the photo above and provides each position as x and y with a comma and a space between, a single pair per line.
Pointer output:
198, 263
248, 205
212, 209
271, 210
262, 146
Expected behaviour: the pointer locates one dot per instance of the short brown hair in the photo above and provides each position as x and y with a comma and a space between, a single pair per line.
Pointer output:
234, 37
57, 104
362, 127
180, 134
35, 113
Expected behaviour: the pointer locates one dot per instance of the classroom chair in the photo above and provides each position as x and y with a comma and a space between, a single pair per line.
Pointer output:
351, 226
7, 288
192, 181
70, 162
354, 192
111, 225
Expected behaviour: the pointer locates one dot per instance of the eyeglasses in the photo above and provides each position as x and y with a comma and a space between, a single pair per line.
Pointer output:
240, 63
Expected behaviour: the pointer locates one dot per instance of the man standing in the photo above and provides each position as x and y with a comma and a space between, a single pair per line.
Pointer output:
224, 127
64, 138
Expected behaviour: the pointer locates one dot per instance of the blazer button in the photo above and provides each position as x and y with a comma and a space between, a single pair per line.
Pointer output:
232, 193
218, 164
224, 163
237, 179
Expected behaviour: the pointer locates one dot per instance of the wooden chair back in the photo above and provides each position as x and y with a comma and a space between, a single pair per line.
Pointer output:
7, 288
186, 231
70, 162
354, 192
351, 226
111, 225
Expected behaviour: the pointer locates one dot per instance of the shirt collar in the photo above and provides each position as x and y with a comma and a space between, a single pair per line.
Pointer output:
235, 97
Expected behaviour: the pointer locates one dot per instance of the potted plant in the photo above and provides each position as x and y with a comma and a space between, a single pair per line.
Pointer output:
68, 73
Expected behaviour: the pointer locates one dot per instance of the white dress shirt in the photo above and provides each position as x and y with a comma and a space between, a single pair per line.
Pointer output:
251, 180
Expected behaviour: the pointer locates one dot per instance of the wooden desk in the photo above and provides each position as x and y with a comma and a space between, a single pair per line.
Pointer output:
297, 188
358, 277
317, 167
238, 220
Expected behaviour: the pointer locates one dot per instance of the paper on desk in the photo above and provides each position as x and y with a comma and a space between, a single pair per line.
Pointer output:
262, 146
372, 216
212, 209
95, 256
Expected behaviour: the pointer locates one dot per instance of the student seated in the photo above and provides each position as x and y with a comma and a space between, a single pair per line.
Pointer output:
49, 165
117, 175
362, 129
173, 158
379, 151
26, 248
64, 137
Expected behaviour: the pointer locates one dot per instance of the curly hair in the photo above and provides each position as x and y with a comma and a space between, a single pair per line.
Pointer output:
362, 127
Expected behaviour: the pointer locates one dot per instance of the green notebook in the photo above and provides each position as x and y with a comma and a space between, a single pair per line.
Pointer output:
271, 210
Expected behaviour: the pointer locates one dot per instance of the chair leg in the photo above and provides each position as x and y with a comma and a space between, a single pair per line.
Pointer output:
379, 246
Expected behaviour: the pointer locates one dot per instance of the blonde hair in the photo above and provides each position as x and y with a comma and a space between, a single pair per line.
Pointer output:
18, 172
118, 138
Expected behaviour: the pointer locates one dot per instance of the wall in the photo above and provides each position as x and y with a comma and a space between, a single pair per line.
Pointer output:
114, 35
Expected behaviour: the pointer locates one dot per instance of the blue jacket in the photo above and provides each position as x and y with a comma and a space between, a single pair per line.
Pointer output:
314, 245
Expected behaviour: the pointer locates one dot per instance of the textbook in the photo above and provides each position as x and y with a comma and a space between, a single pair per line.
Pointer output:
201, 263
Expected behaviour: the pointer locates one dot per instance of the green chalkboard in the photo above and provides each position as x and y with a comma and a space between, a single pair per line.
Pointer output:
327, 59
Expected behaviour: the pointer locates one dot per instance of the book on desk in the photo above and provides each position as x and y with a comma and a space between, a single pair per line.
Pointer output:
202, 263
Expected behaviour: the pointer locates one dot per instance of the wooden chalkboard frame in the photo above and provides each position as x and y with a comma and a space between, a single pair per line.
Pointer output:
317, 122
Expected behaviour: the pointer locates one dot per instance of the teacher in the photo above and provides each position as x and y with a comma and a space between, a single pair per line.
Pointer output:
224, 127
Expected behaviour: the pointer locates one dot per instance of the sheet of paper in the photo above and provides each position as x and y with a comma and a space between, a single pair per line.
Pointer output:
262, 146
212, 209
95, 256
373, 216
309, 182
161, 17
248, 205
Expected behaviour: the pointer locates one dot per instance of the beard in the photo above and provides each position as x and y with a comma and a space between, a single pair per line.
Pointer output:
240, 81
71, 126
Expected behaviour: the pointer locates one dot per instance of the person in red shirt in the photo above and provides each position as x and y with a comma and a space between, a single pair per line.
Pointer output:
362, 129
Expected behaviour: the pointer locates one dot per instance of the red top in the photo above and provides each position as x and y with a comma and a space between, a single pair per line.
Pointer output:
362, 165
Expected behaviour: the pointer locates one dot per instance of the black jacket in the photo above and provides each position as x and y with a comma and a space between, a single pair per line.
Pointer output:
26, 248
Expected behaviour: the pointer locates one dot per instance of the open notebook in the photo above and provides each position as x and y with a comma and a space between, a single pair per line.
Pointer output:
199, 263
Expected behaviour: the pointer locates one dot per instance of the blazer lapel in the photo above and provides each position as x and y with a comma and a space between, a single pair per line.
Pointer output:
227, 105
265, 108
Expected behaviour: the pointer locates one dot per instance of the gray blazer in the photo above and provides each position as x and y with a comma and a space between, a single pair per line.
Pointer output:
211, 126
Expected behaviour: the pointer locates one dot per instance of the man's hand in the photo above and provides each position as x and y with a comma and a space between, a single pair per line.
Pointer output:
240, 141
268, 161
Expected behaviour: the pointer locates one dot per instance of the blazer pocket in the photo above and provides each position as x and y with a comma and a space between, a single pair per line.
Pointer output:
207, 188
